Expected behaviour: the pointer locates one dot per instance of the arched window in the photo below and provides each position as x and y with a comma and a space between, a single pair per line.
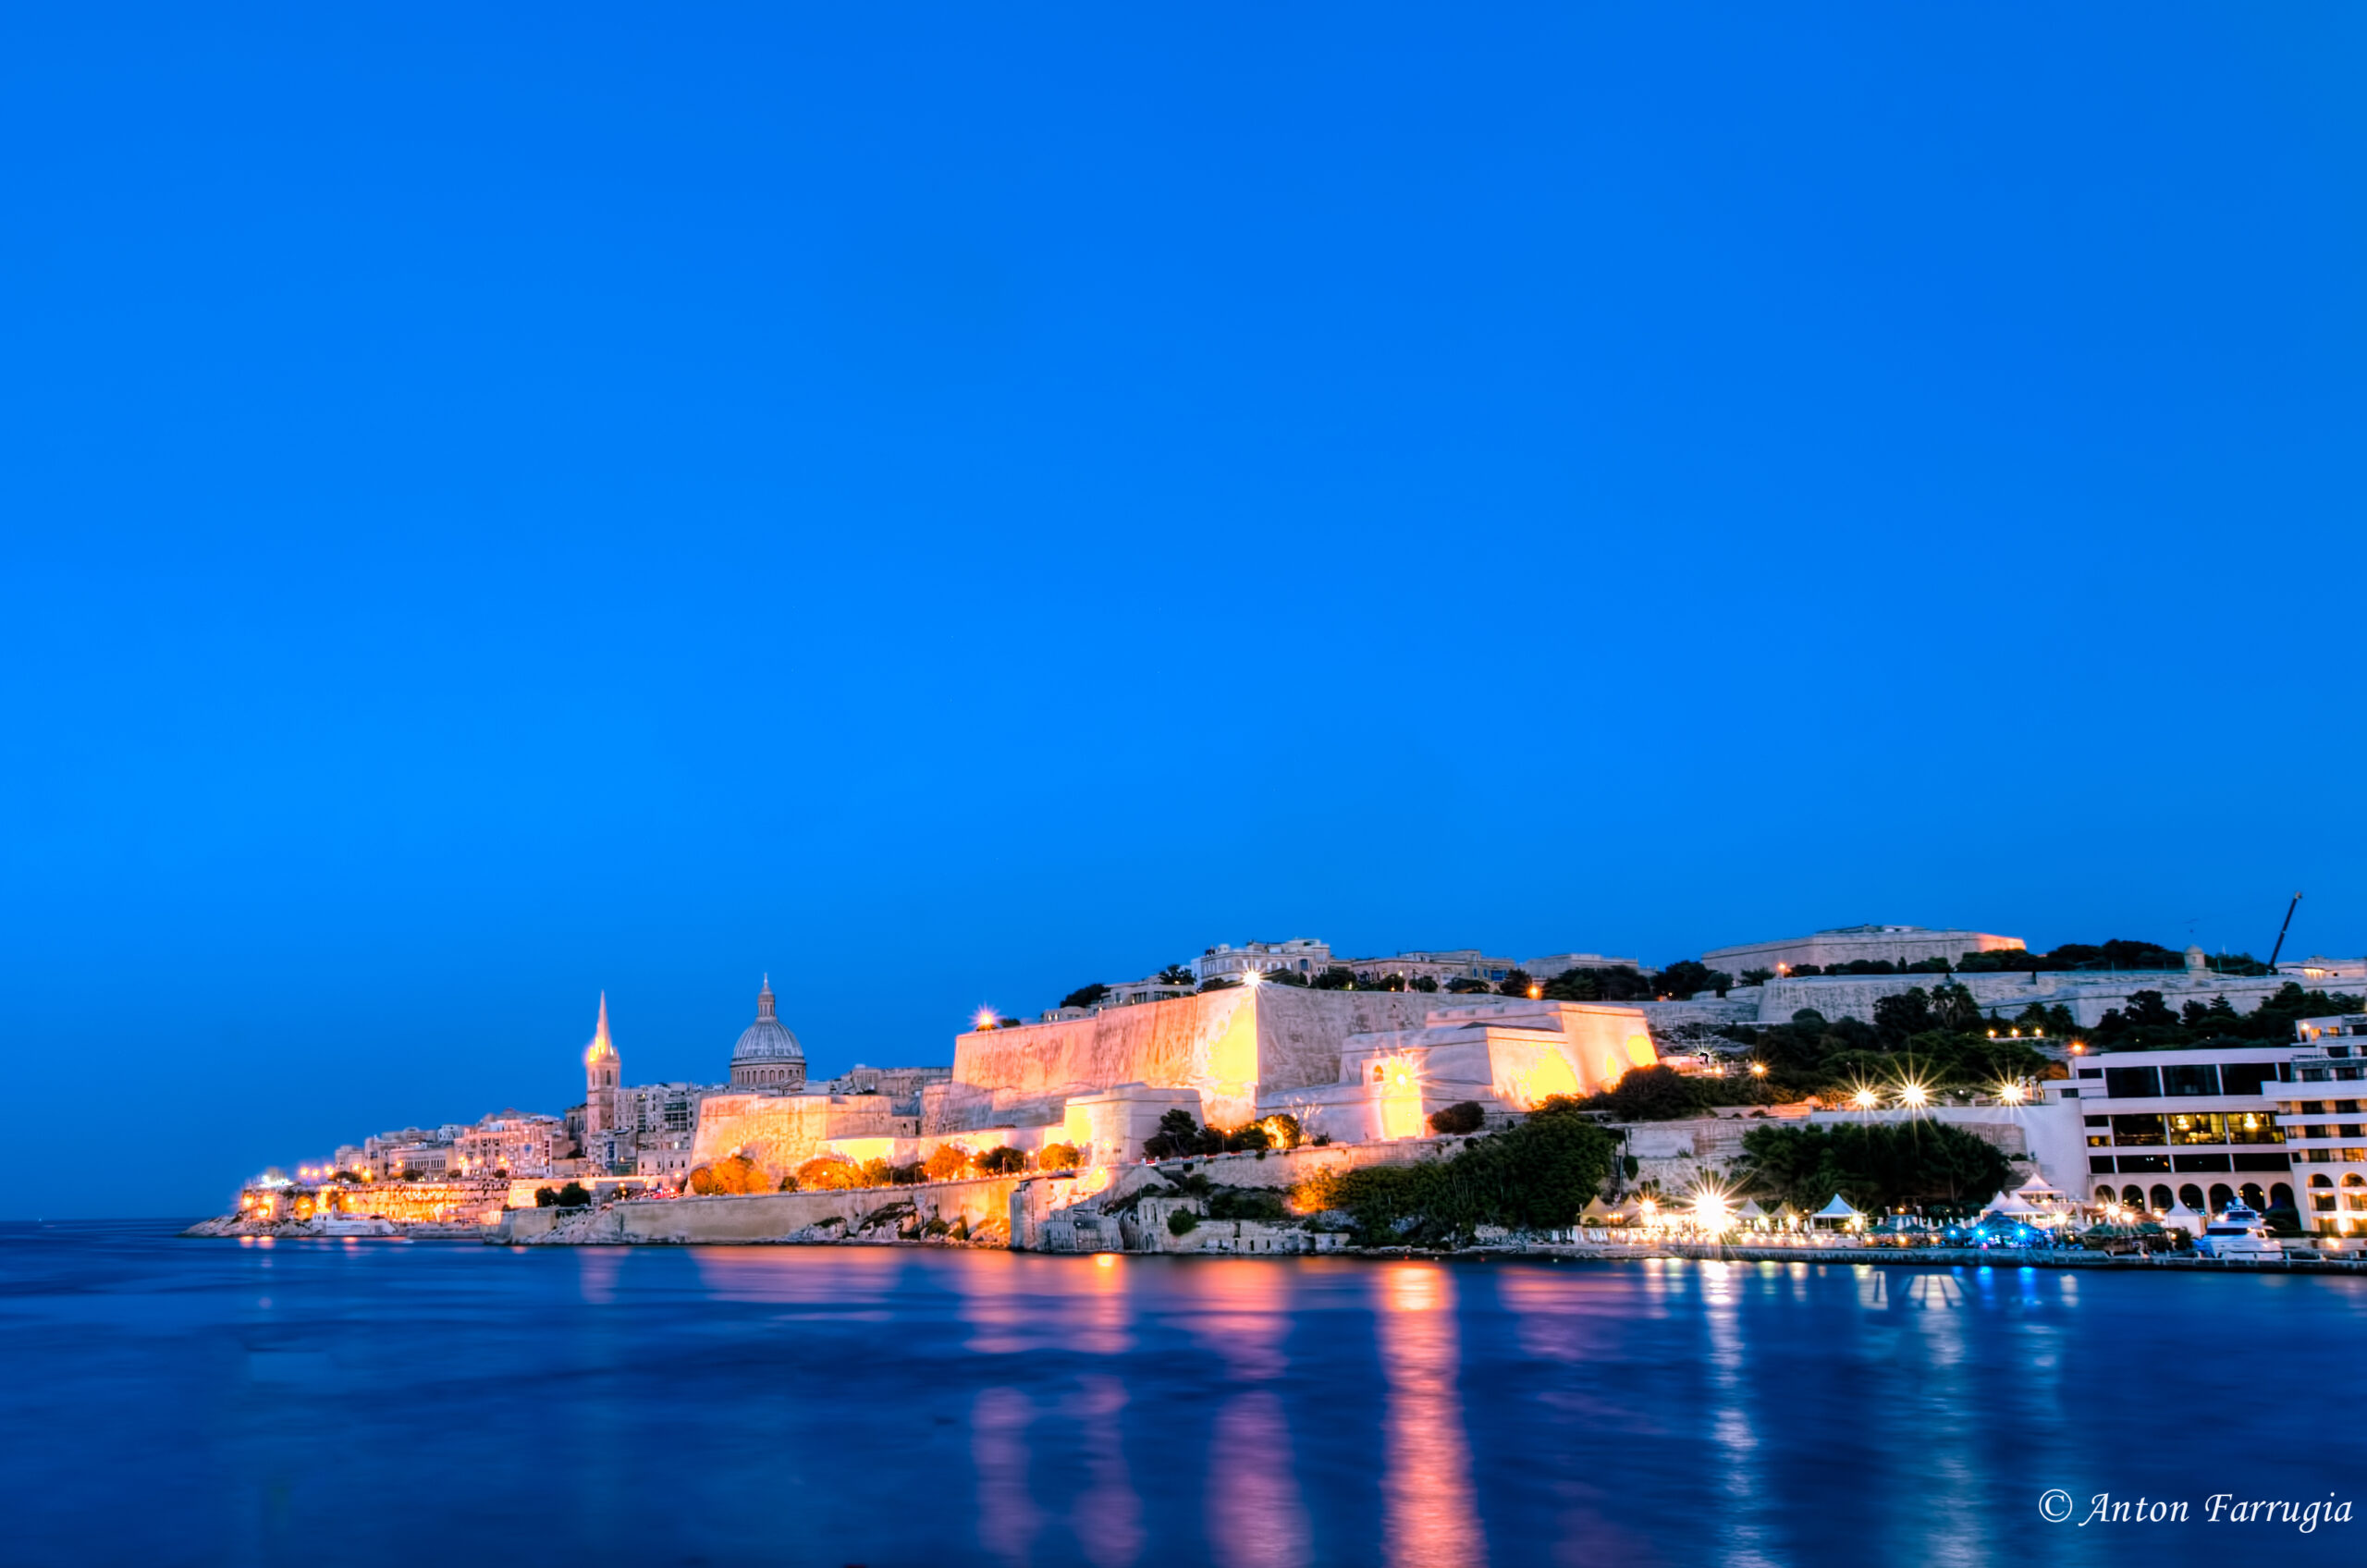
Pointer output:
2161, 1196
2191, 1195
2322, 1180
2253, 1196
2353, 1180
2280, 1196
2221, 1196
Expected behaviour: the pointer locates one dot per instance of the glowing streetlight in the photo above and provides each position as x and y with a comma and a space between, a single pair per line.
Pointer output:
1914, 1097
1758, 1069
984, 1019
2012, 1093
1866, 1098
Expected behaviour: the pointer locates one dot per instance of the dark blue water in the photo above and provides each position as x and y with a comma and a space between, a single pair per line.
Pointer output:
359, 1402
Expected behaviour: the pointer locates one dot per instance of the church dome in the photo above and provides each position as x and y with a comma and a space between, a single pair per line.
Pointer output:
766, 1041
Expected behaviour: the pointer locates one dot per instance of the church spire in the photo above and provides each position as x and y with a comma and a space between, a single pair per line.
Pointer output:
601, 1048
765, 1000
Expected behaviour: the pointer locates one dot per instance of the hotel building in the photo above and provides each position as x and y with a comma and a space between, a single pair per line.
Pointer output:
2324, 1128
2198, 1127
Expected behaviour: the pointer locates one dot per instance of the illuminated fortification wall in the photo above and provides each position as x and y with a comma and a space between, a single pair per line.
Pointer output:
1230, 1046
981, 1204
782, 1131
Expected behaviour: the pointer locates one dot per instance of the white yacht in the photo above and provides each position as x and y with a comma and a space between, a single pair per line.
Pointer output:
2239, 1235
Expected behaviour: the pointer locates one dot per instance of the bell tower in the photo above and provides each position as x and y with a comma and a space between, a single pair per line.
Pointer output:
600, 1069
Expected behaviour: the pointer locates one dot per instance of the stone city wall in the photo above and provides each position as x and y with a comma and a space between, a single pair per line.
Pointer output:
982, 1203
2087, 994
1228, 1045
782, 1132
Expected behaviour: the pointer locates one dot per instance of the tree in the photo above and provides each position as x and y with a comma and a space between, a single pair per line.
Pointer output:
949, 1162
828, 1173
1460, 986
1537, 1175
1952, 1007
1687, 978
1424, 983
1084, 996
1282, 1129
574, 1196
1286, 978
1756, 976
732, 1174
1464, 1116
1620, 983
1058, 1157
1179, 1133
1907, 1013
2147, 1010
1874, 1164
1336, 978
1003, 1161
1175, 975
1516, 983
1652, 1094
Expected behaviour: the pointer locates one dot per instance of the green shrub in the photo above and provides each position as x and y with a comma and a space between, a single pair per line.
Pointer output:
1463, 1117
1182, 1223
1537, 1176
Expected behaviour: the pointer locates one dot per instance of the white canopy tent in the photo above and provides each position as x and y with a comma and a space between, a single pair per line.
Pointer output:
2036, 1191
1838, 1211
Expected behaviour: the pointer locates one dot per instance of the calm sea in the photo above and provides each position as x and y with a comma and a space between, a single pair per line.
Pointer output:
339, 1403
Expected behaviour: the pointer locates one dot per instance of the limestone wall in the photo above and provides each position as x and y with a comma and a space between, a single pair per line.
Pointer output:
1228, 1045
983, 1202
2088, 993
781, 1131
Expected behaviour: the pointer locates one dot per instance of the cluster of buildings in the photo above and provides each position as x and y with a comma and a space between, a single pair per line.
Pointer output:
2265, 1124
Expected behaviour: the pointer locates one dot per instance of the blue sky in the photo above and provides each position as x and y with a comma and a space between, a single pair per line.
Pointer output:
946, 507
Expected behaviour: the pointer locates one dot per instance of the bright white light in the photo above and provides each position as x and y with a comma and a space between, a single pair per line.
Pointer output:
1254, 978
1865, 1100
984, 1019
2012, 1093
1914, 1095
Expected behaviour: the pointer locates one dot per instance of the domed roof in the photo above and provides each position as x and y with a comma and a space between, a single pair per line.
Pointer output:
767, 1039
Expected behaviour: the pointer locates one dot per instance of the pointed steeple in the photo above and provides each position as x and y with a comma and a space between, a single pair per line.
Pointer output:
600, 1049
765, 1000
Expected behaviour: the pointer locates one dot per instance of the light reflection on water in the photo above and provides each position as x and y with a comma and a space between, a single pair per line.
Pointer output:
835, 1405
1431, 1520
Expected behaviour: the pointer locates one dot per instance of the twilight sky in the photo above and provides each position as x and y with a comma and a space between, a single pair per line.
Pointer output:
947, 507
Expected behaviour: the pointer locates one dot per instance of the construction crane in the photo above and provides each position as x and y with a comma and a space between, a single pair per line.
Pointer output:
2280, 932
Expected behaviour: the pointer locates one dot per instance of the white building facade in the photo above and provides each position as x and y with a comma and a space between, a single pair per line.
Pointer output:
2318, 1111
2200, 1127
